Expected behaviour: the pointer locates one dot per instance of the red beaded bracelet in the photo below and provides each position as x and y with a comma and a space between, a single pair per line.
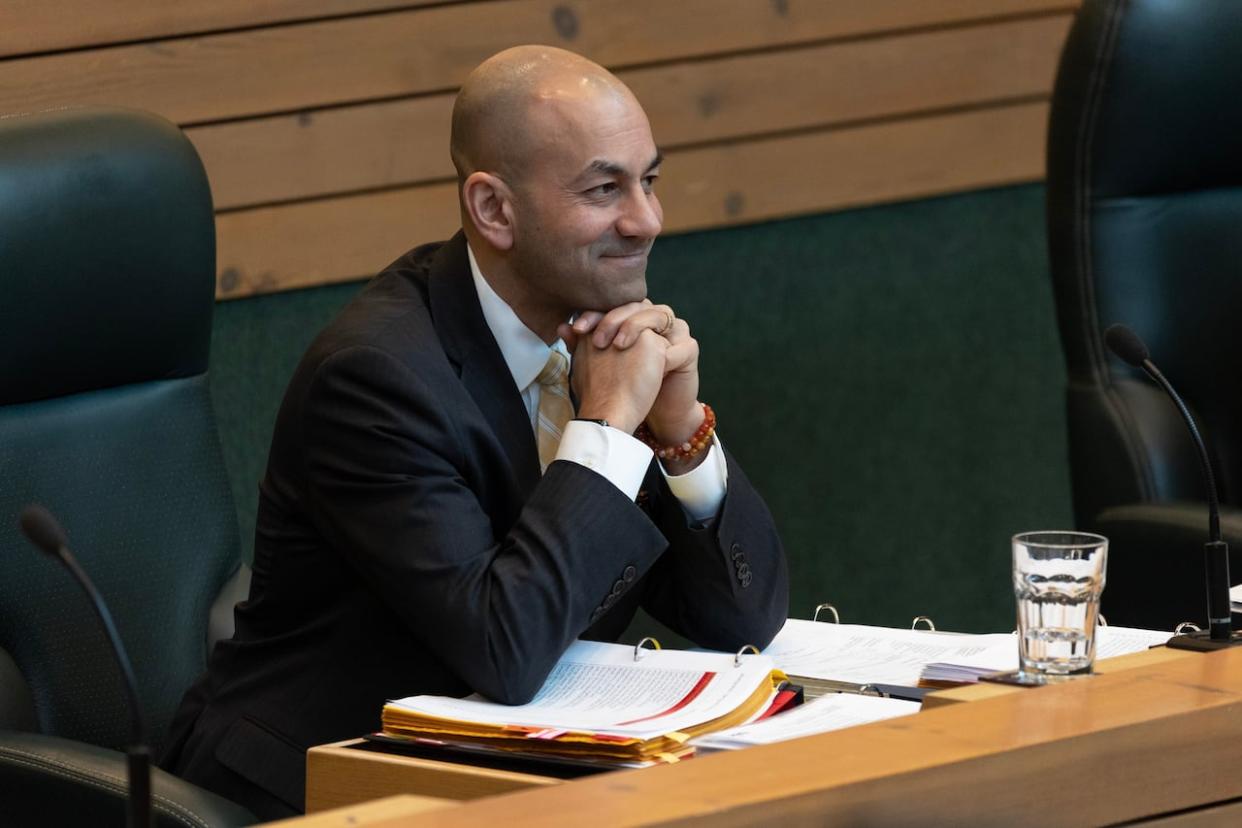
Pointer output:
698, 442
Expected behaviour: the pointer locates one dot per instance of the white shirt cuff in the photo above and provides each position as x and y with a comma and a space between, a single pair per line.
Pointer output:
702, 489
620, 458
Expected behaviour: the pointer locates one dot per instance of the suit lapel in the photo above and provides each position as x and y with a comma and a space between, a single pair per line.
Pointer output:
470, 346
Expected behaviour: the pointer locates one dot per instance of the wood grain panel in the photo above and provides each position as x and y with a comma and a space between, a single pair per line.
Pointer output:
332, 781
336, 239
287, 68
405, 142
28, 26
333, 240
377, 810
327, 152
746, 182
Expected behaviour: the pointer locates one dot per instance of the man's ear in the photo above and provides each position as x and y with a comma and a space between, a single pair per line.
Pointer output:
489, 202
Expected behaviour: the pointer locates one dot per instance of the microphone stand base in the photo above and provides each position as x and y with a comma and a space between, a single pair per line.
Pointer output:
1203, 642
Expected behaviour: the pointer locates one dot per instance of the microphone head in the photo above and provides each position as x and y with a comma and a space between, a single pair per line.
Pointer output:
41, 529
1126, 344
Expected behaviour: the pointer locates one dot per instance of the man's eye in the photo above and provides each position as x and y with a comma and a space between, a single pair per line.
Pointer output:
601, 190
649, 182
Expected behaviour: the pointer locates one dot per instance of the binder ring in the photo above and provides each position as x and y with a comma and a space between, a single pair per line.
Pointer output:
923, 619
737, 659
638, 648
1186, 627
1101, 620
836, 616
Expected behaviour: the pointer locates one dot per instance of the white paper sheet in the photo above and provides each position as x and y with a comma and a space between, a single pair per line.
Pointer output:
600, 688
863, 655
1114, 641
1235, 598
834, 711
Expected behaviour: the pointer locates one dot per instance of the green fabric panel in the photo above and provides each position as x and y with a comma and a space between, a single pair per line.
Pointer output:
889, 377
255, 346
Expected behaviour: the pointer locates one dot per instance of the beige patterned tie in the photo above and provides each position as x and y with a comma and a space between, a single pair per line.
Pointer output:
555, 408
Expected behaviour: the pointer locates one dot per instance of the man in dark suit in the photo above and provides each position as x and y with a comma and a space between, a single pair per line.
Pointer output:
431, 520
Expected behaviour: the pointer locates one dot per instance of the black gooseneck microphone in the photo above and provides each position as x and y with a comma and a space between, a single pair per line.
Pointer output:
41, 529
1126, 344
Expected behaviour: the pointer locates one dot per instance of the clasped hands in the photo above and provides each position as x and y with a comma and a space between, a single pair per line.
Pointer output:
637, 362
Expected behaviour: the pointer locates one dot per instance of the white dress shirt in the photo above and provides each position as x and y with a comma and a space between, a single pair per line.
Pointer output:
617, 456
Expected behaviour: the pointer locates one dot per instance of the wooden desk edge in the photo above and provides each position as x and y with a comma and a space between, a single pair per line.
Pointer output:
366, 813
340, 774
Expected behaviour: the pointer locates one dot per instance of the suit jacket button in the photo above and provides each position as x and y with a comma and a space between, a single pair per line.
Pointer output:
630, 574
617, 589
746, 579
595, 615
736, 553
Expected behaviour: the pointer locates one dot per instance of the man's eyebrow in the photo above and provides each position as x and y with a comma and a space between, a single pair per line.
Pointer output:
601, 167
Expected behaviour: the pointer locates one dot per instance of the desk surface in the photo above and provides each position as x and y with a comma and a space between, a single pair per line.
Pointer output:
1159, 735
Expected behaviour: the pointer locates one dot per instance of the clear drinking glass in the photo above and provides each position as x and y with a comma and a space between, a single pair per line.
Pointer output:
1057, 579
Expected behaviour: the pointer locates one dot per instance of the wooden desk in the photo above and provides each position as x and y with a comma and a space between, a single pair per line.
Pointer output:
342, 774
1135, 742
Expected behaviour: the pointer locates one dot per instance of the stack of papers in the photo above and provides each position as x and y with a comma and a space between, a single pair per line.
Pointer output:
1110, 642
601, 705
828, 658
834, 711
833, 657
1235, 598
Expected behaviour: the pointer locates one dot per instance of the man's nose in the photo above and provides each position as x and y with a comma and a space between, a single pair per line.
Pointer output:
642, 216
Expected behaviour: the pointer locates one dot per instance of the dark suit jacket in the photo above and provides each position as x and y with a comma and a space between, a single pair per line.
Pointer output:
407, 543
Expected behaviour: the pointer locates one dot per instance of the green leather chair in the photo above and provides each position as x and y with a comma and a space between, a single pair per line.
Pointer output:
1145, 228
107, 274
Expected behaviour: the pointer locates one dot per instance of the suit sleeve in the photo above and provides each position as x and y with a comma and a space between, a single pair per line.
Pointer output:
384, 461
724, 585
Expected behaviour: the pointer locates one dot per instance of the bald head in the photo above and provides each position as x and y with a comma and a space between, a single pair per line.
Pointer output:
556, 166
516, 99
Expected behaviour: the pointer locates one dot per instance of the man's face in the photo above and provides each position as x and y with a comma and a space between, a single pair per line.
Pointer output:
586, 215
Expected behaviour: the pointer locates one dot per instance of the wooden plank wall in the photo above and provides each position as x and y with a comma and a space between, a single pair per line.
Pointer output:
323, 124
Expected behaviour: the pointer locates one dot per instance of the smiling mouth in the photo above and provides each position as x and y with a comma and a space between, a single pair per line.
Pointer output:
633, 254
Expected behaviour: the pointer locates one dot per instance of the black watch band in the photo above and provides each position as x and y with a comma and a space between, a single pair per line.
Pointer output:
603, 423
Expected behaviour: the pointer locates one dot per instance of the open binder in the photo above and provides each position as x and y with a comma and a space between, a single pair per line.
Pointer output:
829, 657
605, 704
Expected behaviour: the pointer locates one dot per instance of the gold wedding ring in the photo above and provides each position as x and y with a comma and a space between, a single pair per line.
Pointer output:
668, 326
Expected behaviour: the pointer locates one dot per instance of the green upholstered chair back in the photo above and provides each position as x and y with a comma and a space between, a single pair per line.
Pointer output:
1145, 228
107, 273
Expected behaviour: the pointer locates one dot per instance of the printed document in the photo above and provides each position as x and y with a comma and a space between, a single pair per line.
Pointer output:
601, 688
834, 711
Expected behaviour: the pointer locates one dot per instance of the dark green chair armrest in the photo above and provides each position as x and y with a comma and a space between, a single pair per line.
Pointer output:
46, 780
1155, 561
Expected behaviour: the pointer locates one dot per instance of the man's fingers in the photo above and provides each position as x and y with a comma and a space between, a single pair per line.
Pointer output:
605, 331
658, 319
679, 333
586, 321
681, 356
